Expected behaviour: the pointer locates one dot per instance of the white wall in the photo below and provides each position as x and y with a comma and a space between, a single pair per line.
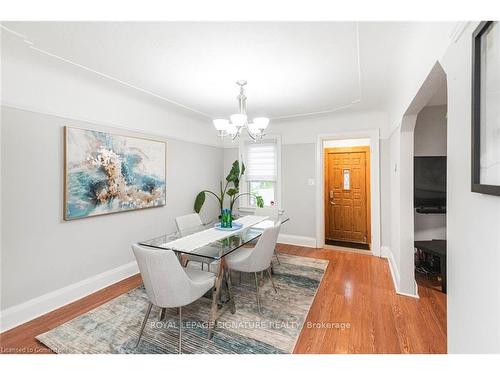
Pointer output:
42, 253
347, 142
37, 82
424, 49
473, 223
230, 155
306, 129
473, 220
300, 130
298, 166
47, 262
385, 193
430, 140
430, 131
394, 178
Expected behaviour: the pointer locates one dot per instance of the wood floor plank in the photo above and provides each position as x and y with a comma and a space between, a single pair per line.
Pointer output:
356, 289
360, 288
21, 339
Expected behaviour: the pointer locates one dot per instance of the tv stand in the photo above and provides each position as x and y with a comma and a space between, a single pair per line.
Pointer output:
438, 249
431, 210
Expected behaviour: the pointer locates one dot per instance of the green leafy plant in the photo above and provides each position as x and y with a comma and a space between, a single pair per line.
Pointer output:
231, 188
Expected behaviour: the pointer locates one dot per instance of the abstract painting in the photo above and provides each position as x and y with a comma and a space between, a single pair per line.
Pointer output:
107, 173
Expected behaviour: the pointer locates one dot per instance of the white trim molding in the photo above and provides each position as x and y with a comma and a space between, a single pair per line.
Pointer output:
244, 183
290, 239
69, 117
30, 44
26, 311
374, 136
458, 30
393, 268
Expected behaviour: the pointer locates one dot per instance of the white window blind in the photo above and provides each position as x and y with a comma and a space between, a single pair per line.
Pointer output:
261, 161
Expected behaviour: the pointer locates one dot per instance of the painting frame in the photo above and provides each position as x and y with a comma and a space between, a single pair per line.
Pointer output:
476, 185
66, 130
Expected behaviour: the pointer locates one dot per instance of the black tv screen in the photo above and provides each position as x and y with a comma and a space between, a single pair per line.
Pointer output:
430, 181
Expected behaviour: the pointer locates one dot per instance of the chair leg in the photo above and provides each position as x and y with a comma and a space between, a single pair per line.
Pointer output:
229, 286
277, 258
271, 278
144, 323
163, 313
208, 267
202, 264
180, 330
240, 277
257, 286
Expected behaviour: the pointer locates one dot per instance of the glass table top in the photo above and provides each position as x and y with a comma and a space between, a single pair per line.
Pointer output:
217, 249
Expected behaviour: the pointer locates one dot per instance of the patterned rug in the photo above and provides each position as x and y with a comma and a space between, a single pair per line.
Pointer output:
114, 326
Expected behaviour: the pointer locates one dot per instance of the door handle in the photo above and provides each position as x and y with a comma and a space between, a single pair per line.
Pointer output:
331, 197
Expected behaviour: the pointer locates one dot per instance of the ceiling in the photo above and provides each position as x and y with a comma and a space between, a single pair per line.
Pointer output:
292, 68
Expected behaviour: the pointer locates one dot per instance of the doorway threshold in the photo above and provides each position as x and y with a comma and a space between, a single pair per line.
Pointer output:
347, 249
351, 245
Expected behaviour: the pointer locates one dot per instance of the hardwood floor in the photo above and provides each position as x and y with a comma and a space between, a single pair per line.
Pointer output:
356, 310
22, 338
358, 289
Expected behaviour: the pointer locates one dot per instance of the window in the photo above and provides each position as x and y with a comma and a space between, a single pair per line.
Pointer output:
261, 163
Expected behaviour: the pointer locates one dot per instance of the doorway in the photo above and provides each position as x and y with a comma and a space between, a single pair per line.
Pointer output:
430, 170
403, 205
347, 193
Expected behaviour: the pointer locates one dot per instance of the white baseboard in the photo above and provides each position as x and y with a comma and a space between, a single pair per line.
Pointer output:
26, 311
387, 253
297, 240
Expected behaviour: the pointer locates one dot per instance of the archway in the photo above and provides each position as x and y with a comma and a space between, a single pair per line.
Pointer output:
402, 204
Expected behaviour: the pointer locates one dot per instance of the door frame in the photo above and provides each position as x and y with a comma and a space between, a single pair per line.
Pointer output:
344, 150
374, 136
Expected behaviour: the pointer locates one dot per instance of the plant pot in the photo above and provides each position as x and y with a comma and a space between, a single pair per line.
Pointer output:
226, 220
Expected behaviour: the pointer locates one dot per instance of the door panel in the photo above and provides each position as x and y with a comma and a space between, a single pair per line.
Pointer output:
346, 199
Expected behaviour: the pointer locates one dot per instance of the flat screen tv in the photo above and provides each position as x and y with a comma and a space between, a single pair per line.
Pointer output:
430, 183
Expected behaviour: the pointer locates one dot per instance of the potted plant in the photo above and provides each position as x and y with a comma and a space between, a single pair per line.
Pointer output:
231, 189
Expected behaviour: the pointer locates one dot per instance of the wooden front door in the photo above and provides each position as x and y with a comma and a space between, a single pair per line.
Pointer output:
347, 204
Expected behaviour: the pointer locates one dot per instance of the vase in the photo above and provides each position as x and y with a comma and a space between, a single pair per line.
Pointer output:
226, 219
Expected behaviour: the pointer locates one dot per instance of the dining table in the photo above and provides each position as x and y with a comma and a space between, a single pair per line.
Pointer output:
211, 243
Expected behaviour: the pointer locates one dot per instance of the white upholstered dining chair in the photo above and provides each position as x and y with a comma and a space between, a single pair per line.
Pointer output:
186, 223
273, 214
168, 284
256, 259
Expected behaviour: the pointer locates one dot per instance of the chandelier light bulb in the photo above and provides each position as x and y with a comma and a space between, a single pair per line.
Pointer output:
221, 124
238, 119
261, 122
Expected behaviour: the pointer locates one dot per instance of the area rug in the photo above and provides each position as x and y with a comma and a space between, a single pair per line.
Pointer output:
114, 326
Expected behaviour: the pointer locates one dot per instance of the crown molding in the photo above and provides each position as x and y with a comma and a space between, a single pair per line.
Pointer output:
112, 126
30, 44
458, 30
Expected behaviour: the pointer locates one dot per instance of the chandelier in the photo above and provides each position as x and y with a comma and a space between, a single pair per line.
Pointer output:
233, 127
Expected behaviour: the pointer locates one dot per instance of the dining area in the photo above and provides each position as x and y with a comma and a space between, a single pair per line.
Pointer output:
203, 289
199, 260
